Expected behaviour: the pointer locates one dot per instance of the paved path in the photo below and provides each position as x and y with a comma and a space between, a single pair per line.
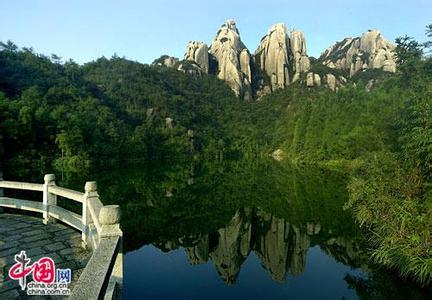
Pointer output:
58, 241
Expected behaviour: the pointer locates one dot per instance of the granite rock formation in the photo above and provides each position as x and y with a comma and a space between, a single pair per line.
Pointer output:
272, 56
281, 59
279, 55
300, 59
328, 80
190, 67
233, 60
166, 61
313, 79
370, 51
198, 52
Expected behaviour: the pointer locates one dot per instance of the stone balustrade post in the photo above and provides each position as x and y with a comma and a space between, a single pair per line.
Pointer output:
109, 218
90, 189
48, 198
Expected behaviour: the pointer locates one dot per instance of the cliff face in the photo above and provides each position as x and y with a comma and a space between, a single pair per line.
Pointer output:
277, 56
281, 59
272, 56
301, 62
281, 56
198, 52
233, 59
370, 51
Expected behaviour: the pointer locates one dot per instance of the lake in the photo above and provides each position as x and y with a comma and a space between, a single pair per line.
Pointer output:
249, 229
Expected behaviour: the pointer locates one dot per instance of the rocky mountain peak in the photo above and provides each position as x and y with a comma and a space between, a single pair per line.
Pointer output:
281, 59
227, 34
230, 25
301, 62
370, 51
279, 55
198, 52
166, 61
272, 56
233, 59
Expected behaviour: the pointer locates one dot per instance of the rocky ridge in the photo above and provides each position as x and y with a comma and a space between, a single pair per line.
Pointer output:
272, 56
233, 59
281, 59
370, 51
198, 52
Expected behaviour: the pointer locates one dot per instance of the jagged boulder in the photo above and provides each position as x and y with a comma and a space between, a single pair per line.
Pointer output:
198, 52
330, 81
272, 56
278, 154
301, 62
370, 51
313, 79
190, 67
169, 123
279, 55
310, 79
233, 59
166, 61
327, 80
389, 65
317, 80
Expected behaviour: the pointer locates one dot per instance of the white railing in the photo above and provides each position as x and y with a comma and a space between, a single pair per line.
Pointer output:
99, 226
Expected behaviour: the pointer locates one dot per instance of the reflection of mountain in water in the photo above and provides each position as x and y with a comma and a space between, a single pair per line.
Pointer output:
282, 247
203, 204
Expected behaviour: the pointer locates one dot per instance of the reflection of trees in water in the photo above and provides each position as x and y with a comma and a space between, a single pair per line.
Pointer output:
282, 247
207, 213
204, 208
202, 202
159, 205
385, 284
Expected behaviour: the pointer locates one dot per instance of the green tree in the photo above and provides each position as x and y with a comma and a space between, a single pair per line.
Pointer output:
407, 49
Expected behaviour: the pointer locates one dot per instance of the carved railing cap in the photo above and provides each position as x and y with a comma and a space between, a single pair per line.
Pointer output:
90, 186
109, 215
49, 178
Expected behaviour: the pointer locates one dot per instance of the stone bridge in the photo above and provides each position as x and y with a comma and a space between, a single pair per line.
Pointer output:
89, 244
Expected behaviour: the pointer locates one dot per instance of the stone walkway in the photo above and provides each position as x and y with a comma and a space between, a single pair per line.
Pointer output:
58, 241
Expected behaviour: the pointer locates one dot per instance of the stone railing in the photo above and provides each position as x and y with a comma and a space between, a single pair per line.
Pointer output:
99, 226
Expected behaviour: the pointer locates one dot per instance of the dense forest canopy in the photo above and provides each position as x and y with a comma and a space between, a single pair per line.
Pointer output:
64, 117
67, 117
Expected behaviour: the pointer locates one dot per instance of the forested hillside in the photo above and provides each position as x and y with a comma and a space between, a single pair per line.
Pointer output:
71, 118
381, 138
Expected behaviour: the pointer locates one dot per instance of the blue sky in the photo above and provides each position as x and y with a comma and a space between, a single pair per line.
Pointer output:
144, 30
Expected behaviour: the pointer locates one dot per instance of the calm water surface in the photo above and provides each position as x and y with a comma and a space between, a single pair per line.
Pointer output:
242, 230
